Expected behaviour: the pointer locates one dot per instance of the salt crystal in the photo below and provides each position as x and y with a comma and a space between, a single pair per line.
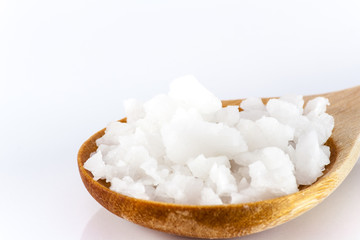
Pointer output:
310, 159
283, 111
181, 189
273, 171
250, 104
200, 166
160, 109
264, 132
190, 93
189, 137
96, 165
296, 100
228, 115
209, 197
128, 187
184, 148
316, 106
224, 180
134, 110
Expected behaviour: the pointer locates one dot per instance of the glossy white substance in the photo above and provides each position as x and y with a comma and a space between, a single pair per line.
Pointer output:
185, 148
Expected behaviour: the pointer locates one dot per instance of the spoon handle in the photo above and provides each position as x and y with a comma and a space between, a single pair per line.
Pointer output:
345, 108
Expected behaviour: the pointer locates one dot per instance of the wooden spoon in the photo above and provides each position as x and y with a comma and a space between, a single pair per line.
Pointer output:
232, 220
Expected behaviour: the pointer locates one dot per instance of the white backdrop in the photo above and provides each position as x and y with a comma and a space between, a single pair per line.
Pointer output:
66, 66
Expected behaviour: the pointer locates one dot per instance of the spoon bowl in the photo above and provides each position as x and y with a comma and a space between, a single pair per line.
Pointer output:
233, 220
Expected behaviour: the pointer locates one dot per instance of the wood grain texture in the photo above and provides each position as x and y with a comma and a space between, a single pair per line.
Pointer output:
232, 220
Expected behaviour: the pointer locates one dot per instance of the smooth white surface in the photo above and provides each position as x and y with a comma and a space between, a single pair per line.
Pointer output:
66, 66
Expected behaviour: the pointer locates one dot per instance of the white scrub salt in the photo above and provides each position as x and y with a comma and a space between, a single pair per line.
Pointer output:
183, 147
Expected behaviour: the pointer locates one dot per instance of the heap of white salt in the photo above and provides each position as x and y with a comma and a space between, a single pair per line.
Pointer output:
185, 148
